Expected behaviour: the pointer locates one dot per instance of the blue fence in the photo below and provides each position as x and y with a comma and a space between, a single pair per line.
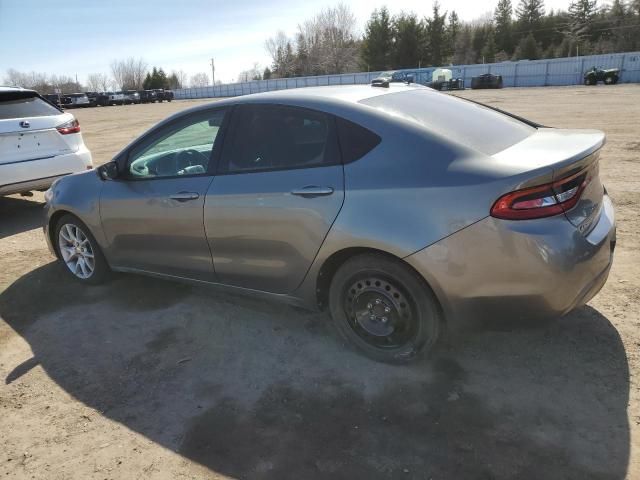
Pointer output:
524, 73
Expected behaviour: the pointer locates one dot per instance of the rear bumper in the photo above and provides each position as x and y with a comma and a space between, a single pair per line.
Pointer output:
510, 271
41, 173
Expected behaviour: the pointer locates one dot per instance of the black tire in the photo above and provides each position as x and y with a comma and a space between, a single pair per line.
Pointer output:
101, 268
399, 318
611, 80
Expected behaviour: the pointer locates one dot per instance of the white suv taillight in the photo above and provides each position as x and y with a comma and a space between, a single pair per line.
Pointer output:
72, 126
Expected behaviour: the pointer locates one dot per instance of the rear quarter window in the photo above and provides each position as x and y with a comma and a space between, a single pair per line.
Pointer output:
471, 124
25, 107
355, 140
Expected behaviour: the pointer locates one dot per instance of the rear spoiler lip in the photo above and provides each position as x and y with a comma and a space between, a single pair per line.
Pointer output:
548, 155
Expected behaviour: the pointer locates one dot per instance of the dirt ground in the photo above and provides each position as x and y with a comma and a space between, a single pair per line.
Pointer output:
142, 378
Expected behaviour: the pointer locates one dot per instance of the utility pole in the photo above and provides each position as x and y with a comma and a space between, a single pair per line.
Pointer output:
213, 73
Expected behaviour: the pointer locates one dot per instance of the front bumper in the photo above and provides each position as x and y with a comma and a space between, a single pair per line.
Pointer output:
509, 271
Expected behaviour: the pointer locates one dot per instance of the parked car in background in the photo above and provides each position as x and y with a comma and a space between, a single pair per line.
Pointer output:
401, 210
488, 80
131, 97
98, 99
608, 77
147, 96
78, 100
385, 78
116, 98
57, 99
162, 95
38, 142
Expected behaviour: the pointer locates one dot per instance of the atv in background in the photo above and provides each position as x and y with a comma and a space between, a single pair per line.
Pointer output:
608, 77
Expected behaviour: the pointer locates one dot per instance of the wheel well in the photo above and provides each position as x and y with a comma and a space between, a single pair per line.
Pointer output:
52, 226
331, 265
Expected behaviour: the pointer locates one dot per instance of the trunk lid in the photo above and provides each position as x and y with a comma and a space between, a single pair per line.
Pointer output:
553, 154
39, 140
28, 127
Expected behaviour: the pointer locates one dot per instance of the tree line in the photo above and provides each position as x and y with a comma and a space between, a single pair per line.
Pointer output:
128, 74
328, 43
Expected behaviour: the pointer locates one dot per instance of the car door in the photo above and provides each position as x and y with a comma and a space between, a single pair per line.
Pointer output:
278, 189
152, 213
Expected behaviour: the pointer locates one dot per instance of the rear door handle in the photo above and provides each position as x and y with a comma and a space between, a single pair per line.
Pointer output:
312, 191
184, 196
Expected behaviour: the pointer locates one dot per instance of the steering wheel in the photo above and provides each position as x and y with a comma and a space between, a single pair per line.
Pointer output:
191, 157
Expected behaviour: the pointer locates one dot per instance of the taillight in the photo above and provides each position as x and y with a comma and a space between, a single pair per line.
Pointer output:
72, 126
544, 200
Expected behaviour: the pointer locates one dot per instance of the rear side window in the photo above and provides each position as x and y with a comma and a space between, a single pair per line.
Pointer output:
26, 107
276, 137
355, 140
468, 123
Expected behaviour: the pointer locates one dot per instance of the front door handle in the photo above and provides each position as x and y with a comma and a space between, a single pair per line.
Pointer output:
312, 191
184, 196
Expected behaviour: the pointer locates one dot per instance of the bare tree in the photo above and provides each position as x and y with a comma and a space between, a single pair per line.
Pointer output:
199, 80
326, 43
97, 82
129, 74
254, 73
42, 82
330, 37
182, 78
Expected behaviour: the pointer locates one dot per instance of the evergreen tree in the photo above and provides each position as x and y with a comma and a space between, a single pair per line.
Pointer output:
503, 22
409, 37
581, 14
527, 49
453, 29
489, 49
377, 44
530, 13
464, 53
266, 75
436, 36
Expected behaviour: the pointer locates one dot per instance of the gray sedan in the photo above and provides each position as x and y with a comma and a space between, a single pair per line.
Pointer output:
401, 210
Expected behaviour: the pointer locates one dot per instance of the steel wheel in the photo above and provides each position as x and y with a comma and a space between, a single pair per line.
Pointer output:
383, 308
76, 251
380, 313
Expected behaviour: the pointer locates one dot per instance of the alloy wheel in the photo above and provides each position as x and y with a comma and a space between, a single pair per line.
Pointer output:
76, 251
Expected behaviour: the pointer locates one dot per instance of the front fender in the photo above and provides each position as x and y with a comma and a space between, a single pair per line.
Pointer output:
78, 194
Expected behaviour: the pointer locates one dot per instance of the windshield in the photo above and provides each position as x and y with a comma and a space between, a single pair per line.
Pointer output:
471, 124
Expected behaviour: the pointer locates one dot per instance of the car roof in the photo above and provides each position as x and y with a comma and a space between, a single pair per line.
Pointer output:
345, 93
4, 88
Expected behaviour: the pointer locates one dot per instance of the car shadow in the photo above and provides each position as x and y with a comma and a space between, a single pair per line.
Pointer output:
19, 215
252, 389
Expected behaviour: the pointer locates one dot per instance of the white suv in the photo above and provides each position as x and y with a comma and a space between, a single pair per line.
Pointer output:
38, 142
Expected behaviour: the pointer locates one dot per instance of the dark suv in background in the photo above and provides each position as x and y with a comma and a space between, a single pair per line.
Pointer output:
162, 94
147, 96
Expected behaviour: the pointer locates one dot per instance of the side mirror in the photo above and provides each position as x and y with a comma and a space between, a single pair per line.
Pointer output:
108, 171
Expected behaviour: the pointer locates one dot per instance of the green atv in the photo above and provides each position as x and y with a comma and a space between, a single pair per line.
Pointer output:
608, 77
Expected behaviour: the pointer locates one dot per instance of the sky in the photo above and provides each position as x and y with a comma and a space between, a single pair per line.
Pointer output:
79, 37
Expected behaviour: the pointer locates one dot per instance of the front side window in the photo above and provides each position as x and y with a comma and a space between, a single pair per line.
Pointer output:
184, 149
275, 137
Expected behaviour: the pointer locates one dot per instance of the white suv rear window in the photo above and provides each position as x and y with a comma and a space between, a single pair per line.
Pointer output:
26, 107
